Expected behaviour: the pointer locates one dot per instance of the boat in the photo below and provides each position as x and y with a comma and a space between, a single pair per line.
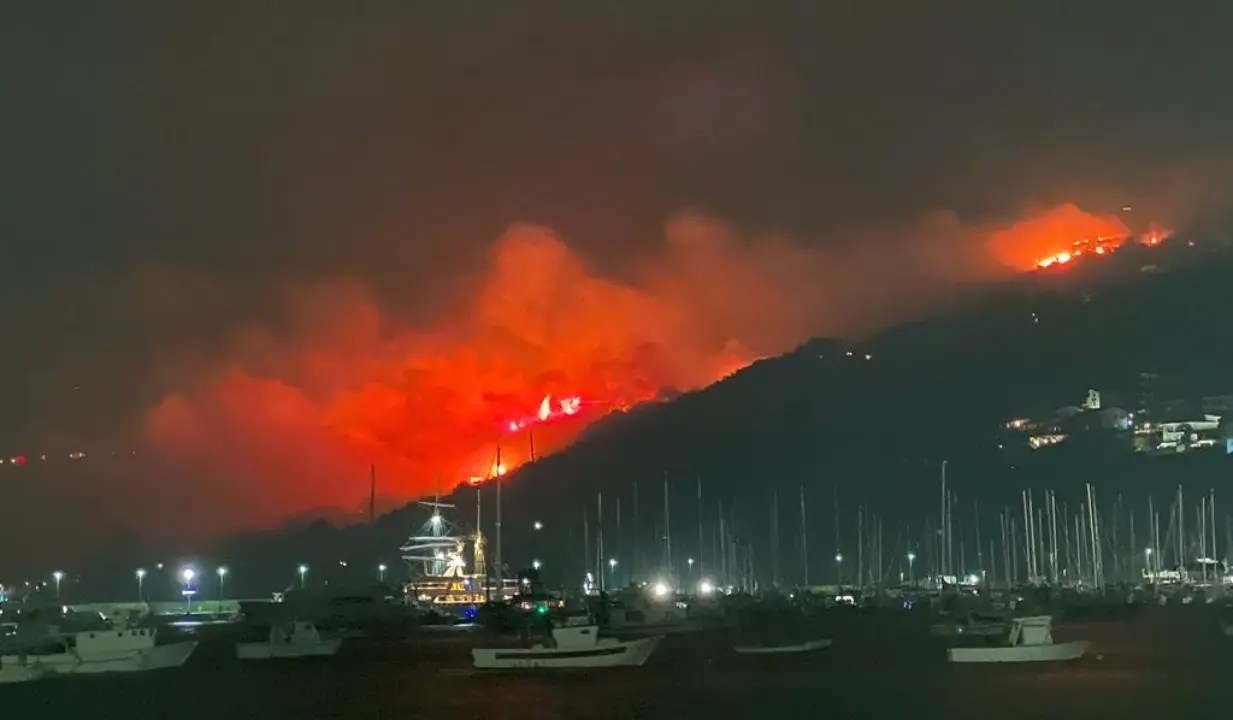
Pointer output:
1030, 640
100, 651
436, 559
973, 625
576, 646
803, 647
337, 607
290, 640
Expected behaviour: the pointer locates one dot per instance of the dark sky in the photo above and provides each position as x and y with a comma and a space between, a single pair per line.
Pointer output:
248, 143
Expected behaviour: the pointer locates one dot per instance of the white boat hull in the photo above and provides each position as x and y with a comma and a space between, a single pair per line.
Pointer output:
630, 653
157, 657
777, 649
269, 651
1056, 652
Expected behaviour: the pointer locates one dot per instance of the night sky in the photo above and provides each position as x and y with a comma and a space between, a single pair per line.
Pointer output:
228, 226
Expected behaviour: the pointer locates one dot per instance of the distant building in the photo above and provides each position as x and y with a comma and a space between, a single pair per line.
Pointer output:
1216, 404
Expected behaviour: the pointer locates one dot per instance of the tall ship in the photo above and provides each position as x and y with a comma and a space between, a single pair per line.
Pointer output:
437, 559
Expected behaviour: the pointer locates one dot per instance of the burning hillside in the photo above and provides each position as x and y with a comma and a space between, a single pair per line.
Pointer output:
545, 346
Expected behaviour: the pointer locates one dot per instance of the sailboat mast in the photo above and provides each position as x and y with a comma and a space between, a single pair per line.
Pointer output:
500, 557
774, 538
667, 534
945, 526
701, 540
804, 543
599, 539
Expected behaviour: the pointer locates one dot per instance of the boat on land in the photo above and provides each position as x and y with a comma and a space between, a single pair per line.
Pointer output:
1030, 640
576, 646
97, 651
786, 648
294, 639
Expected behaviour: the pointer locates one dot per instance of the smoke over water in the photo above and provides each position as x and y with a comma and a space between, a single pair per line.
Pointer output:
290, 421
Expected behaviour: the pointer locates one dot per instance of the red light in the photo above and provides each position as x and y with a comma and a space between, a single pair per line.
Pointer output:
20, 459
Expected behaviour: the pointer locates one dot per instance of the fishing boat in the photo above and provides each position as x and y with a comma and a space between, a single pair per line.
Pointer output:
576, 646
787, 648
290, 640
101, 651
1030, 640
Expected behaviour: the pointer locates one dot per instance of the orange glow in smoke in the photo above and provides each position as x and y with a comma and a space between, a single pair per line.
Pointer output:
292, 420
1060, 235
544, 349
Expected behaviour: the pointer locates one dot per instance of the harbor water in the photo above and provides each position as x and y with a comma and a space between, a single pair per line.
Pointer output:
1170, 662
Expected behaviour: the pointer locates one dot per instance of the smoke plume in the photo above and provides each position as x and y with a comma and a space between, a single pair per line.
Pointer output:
289, 420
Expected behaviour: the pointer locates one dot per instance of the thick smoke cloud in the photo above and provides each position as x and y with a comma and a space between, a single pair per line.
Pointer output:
289, 419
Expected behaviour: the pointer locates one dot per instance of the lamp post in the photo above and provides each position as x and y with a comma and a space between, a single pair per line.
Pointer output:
188, 574
911, 561
57, 576
222, 579
141, 584
690, 563
839, 569
302, 570
381, 572
536, 564
1147, 563
612, 564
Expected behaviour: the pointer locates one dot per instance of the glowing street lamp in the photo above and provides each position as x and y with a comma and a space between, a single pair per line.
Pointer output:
839, 568
381, 572
187, 574
690, 563
141, 584
538, 525
302, 570
57, 576
222, 578
536, 564
911, 561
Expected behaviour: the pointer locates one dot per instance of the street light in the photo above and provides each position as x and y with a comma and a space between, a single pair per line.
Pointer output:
222, 578
381, 572
538, 525
1147, 562
911, 561
141, 583
57, 576
536, 564
188, 574
303, 570
612, 563
690, 563
839, 569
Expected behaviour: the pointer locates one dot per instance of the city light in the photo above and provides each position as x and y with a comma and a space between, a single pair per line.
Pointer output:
705, 587
536, 564
188, 574
660, 589
538, 525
